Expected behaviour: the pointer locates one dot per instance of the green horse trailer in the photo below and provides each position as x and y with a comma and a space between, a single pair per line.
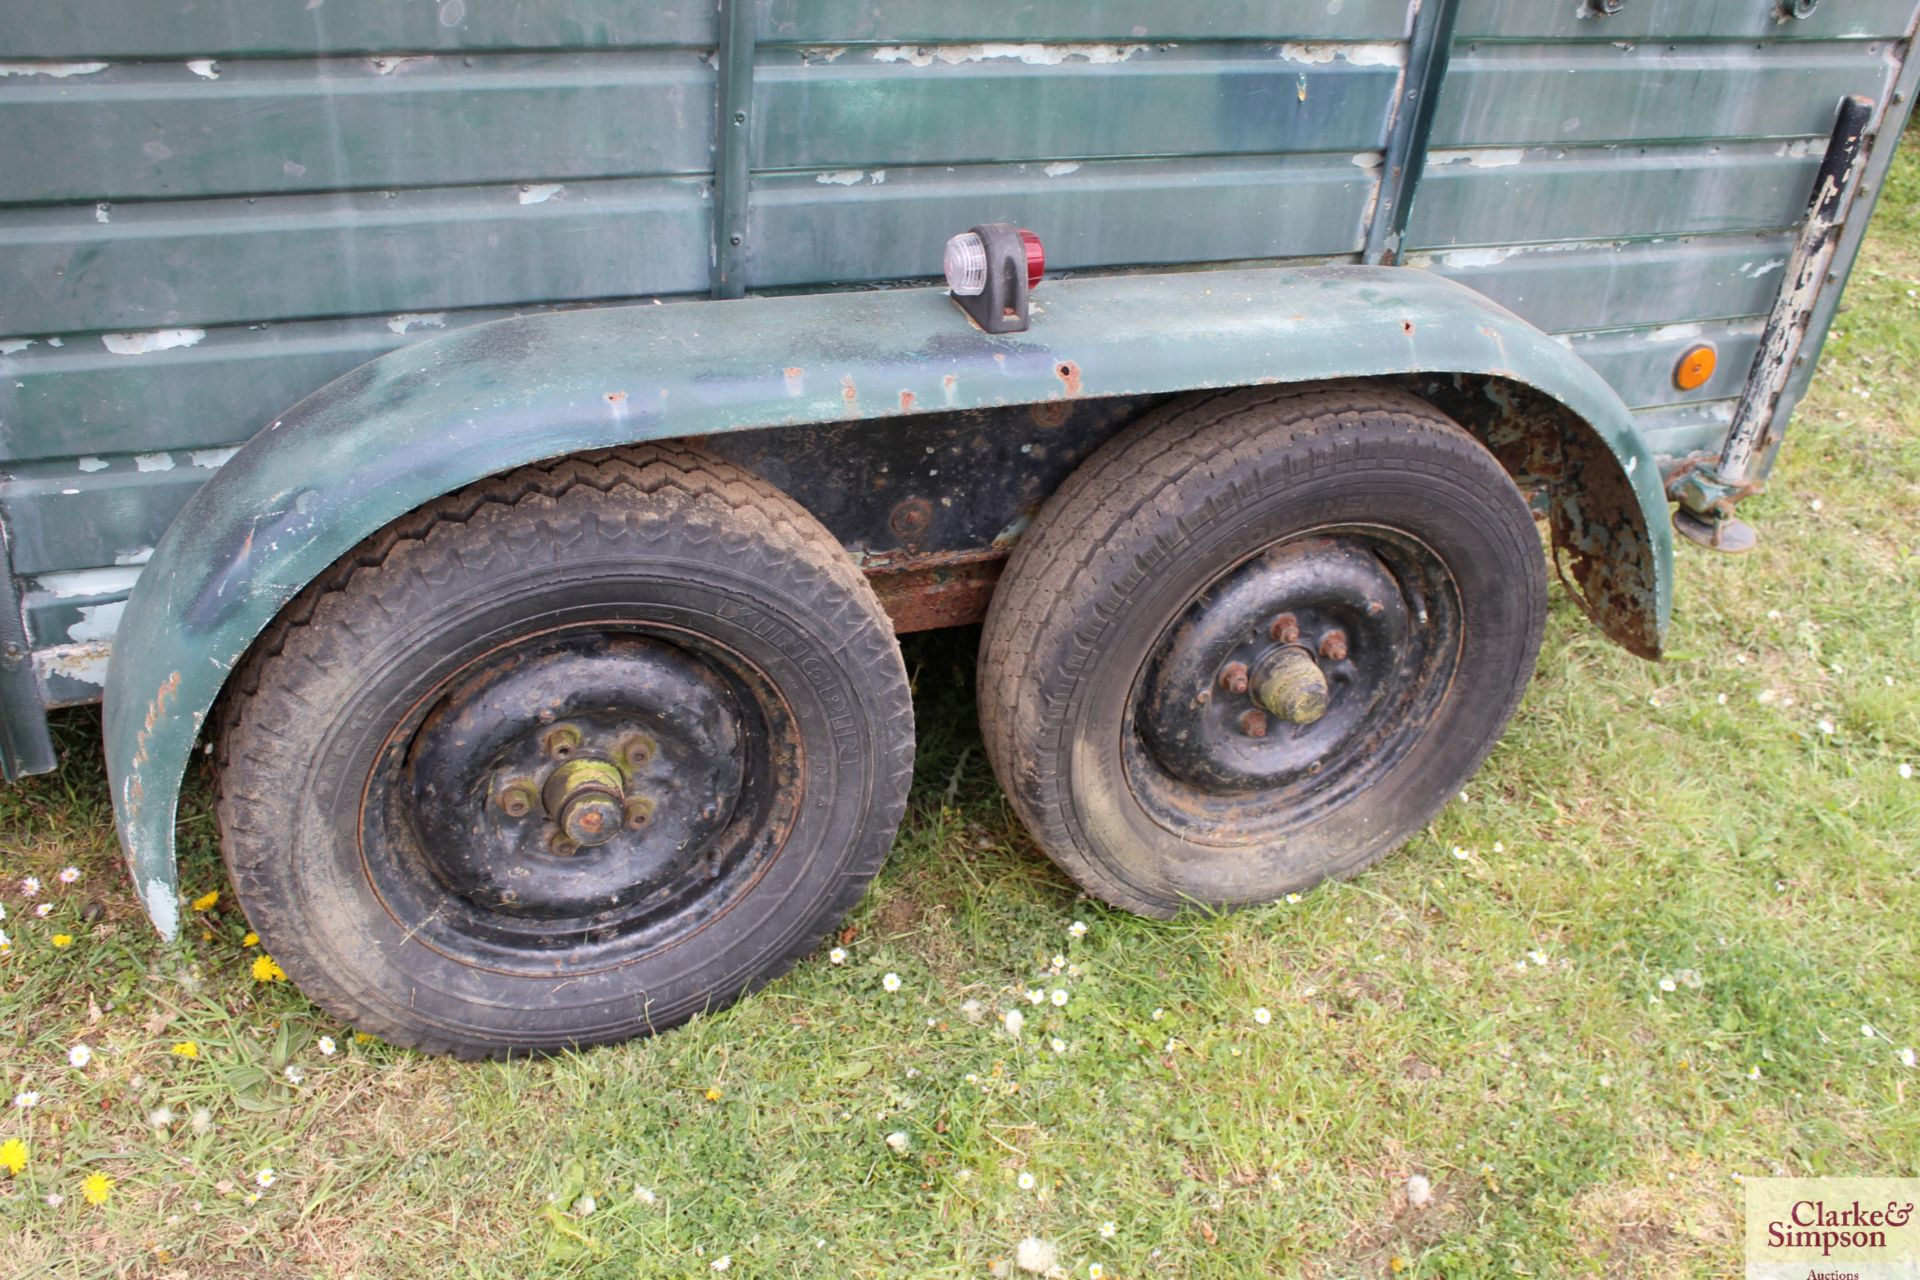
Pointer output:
509, 437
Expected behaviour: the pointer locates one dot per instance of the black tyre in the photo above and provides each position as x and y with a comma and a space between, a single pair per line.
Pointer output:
1258, 640
566, 757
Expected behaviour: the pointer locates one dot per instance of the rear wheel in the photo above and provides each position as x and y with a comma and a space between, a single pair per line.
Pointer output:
1256, 641
567, 757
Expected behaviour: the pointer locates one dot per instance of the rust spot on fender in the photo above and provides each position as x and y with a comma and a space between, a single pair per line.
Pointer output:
1406, 326
795, 377
906, 402
851, 395
615, 397
1069, 374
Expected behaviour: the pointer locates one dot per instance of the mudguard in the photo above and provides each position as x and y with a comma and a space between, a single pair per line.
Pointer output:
441, 413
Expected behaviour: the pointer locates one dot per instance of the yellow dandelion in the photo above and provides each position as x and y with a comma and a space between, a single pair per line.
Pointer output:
207, 901
13, 1157
265, 970
187, 1049
97, 1187
713, 1095
251, 940
1397, 1264
62, 939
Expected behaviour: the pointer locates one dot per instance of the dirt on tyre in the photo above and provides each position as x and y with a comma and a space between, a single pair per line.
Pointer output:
1257, 640
564, 758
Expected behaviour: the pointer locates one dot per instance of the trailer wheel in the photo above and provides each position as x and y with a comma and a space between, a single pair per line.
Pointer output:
564, 758
1258, 640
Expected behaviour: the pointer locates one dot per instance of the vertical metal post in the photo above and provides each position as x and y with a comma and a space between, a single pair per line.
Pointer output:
1429, 47
25, 745
732, 143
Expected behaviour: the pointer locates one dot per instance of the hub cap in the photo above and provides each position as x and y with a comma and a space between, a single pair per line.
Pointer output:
1288, 681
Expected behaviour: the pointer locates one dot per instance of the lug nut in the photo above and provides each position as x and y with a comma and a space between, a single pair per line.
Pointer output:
516, 798
1253, 723
1333, 646
563, 844
561, 741
1233, 677
639, 812
637, 750
1285, 628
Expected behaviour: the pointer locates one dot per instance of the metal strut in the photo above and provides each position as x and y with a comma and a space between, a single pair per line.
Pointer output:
733, 142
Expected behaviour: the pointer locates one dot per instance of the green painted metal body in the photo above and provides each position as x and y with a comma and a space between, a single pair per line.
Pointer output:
441, 413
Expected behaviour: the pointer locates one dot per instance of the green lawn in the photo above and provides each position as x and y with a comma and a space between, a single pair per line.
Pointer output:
1669, 937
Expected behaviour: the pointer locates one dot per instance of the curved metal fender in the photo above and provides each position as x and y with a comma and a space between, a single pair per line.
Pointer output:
441, 413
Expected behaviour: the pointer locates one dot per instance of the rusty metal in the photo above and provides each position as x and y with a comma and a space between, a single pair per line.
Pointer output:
639, 812
1253, 722
1233, 677
584, 797
517, 798
1333, 646
935, 589
1285, 629
911, 518
560, 741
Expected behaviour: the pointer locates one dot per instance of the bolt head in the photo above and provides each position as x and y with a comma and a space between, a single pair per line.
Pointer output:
516, 799
1333, 646
561, 741
1285, 628
1233, 677
1253, 722
639, 812
637, 750
562, 844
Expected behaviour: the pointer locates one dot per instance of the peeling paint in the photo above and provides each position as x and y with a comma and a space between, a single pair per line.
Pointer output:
1754, 270
204, 68
161, 907
139, 555
14, 346
540, 193
57, 70
97, 621
212, 458
1479, 157
140, 344
103, 212
387, 66
795, 379
1369, 160
1478, 257
1061, 168
841, 177
153, 461
78, 583
1377, 54
1039, 55
422, 319
1674, 332
90, 463
811, 54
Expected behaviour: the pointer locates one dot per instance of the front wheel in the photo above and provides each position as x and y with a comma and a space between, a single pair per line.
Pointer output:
1257, 640
566, 757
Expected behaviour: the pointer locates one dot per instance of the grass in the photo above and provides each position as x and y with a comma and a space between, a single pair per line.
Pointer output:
1636, 962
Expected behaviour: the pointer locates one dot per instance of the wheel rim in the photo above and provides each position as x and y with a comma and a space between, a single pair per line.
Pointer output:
601, 791
1289, 683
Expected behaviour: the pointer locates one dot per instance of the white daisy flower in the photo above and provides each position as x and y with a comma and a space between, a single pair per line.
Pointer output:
644, 1194
326, 1046
1036, 996
1668, 984
1026, 1180
1159, 1014
1537, 956
29, 886
1095, 1271
1906, 770
1866, 1029
1907, 1057
69, 874
1753, 1073
722, 1262
55, 1199
1825, 726
1058, 962
1108, 1230
1057, 1045
1077, 929
294, 1075
44, 910
1263, 1016
898, 1142
1293, 899
837, 956
264, 1176
1460, 855
26, 1098
891, 982
1059, 997
79, 1056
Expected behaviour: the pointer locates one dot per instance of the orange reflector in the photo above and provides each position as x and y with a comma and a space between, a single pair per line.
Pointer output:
1695, 367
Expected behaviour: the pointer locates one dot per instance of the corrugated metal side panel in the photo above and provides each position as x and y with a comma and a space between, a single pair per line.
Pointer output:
830, 22
1632, 182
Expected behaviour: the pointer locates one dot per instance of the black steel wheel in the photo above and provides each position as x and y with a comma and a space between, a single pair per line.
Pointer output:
565, 758
1257, 640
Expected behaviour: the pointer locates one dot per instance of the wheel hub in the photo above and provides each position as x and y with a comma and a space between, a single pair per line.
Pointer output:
1273, 670
567, 781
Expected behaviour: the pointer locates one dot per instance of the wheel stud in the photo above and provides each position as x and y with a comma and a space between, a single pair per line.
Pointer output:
1253, 723
516, 799
639, 812
1285, 629
1333, 646
562, 844
561, 741
636, 751
1233, 677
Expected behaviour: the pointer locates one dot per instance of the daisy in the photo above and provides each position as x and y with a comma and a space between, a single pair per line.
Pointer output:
1108, 1230
837, 956
1036, 997
55, 1199
1907, 1057
44, 910
1095, 1271
29, 886
891, 982
265, 1176
1293, 899
69, 874
1159, 1014
1906, 770
1078, 929
722, 1262
1059, 997
644, 1194
1753, 1073
898, 1142
1057, 1045
1263, 1016
1866, 1029
326, 1046
294, 1075
1826, 727
1058, 962
1025, 1180
26, 1098
1668, 984
79, 1056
